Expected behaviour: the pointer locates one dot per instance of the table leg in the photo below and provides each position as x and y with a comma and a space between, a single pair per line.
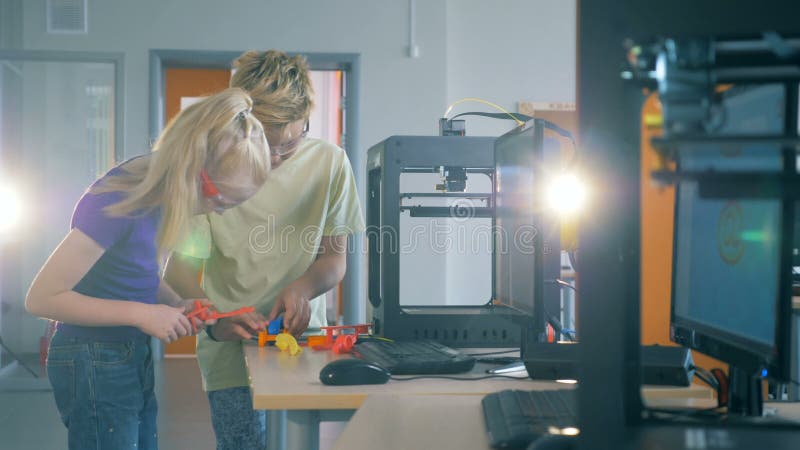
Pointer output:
276, 430
299, 429
302, 430
794, 390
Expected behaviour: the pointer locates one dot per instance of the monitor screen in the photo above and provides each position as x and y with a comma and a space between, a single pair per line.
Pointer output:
727, 252
516, 251
527, 251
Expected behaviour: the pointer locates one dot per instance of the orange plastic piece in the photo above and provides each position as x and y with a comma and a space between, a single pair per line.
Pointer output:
316, 340
204, 313
264, 337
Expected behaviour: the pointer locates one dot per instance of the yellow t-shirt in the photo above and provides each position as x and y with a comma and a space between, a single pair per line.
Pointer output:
255, 249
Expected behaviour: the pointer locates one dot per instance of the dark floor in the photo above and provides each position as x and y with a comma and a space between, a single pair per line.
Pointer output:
29, 420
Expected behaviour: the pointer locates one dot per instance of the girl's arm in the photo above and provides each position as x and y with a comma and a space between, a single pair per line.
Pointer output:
51, 295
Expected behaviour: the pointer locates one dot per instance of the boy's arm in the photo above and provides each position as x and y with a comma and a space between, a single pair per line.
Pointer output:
182, 275
167, 296
324, 273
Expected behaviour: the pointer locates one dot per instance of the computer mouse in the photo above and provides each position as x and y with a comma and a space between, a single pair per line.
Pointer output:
351, 371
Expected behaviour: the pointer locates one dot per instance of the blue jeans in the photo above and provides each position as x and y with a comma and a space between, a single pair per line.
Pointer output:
237, 425
104, 392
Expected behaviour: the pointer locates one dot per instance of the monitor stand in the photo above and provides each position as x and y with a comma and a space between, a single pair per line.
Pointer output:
745, 393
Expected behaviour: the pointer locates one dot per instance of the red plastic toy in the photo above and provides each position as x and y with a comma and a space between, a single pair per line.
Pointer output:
344, 342
204, 313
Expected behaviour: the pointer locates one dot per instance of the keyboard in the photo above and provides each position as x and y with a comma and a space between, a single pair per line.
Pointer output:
515, 418
422, 357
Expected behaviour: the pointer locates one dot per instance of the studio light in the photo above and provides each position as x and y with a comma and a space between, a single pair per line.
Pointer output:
567, 194
10, 209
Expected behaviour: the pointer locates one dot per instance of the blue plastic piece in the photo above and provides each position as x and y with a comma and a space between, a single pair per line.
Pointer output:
275, 326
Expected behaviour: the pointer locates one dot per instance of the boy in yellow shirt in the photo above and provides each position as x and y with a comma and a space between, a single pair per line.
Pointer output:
278, 251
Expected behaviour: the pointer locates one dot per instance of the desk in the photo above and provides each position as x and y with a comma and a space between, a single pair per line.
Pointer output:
396, 422
288, 387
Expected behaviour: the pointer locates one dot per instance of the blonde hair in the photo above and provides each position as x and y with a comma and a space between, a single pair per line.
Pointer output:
217, 134
278, 83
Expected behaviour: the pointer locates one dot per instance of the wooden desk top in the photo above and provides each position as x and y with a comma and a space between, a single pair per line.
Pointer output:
396, 422
281, 381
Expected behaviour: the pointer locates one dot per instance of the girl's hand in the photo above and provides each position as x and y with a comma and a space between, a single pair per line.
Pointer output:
189, 306
166, 323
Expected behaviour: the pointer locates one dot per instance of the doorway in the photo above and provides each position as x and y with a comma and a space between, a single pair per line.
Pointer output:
61, 127
179, 77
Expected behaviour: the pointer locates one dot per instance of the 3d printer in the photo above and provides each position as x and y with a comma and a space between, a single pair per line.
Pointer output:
434, 241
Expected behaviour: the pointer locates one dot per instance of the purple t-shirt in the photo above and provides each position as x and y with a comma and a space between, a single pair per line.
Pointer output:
128, 270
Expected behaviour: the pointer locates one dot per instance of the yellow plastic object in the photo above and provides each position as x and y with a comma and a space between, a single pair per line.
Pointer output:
286, 341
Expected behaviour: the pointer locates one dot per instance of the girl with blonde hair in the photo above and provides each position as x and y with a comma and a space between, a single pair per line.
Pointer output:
103, 285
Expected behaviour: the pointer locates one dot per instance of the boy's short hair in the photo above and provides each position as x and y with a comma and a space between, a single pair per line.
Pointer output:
279, 85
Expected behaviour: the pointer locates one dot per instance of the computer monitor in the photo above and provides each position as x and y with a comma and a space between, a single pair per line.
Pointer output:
527, 250
731, 296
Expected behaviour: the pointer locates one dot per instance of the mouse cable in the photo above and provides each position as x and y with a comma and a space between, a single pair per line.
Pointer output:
447, 377
372, 337
706, 377
501, 352
565, 284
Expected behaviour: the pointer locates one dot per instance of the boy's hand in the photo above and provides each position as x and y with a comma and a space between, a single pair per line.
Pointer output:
295, 308
242, 326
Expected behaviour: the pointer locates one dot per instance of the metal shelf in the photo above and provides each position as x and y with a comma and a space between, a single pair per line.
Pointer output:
445, 194
716, 184
446, 211
673, 144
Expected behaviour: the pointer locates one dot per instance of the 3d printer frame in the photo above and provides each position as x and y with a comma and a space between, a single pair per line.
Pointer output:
457, 326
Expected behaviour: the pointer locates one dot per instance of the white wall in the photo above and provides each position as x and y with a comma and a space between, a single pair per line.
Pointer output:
394, 88
506, 51
502, 51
